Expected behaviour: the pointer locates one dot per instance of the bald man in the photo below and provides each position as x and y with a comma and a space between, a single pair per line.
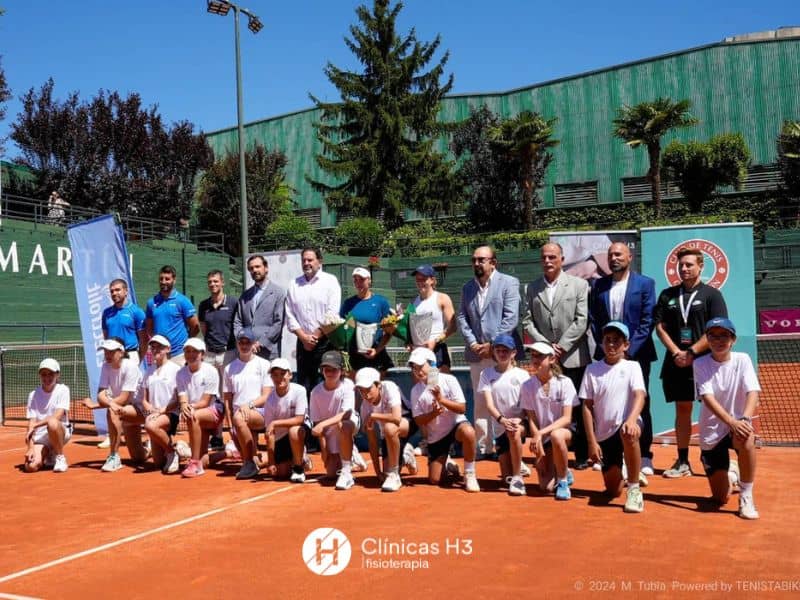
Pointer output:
628, 297
557, 313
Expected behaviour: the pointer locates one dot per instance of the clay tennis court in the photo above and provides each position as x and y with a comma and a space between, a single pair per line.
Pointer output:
138, 534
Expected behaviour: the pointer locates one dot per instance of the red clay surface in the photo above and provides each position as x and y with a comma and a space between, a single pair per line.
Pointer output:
530, 545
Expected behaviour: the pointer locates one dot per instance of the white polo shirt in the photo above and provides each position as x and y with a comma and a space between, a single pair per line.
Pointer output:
277, 408
422, 402
611, 389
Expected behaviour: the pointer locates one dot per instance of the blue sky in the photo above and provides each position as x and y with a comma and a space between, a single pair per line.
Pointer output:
176, 55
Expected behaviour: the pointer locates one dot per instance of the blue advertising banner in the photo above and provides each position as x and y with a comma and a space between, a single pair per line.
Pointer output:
727, 265
99, 255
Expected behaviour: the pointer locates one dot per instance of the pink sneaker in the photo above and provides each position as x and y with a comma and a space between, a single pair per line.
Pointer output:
193, 469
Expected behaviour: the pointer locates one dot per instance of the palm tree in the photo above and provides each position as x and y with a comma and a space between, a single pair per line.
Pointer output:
645, 124
526, 138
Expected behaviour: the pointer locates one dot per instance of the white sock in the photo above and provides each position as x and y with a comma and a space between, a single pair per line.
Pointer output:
746, 489
563, 480
633, 486
345, 466
469, 467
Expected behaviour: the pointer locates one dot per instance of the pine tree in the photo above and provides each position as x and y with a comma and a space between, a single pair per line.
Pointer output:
378, 141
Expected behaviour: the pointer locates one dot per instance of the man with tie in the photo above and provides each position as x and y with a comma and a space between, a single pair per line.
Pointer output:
489, 306
557, 313
630, 298
261, 309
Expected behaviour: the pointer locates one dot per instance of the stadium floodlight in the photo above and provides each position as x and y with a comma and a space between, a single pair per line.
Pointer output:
215, 7
254, 24
222, 7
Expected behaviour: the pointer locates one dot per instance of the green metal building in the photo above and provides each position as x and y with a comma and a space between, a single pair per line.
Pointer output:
748, 84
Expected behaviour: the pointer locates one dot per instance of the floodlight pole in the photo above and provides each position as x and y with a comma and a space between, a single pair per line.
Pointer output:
242, 172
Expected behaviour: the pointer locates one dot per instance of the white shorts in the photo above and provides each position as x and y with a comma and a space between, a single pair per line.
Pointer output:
40, 435
331, 433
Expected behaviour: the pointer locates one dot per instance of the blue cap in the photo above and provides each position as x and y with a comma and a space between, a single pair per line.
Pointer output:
722, 322
504, 340
426, 270
247, 333
619, 326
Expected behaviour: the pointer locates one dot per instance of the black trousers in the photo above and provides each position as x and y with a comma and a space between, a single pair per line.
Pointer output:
579, 444
308, 374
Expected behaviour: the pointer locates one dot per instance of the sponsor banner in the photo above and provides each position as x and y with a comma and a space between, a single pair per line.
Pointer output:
727, 265
99, 255
779, 320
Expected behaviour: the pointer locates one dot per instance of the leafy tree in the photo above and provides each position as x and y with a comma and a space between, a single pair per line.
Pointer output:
644, 125
489, 177
5, 94
526, 140
789, 161
289, 230
358, 236
267, 194
699, 168
110, 153
378, 140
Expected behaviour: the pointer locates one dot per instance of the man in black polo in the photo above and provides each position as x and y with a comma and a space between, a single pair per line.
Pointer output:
216, 322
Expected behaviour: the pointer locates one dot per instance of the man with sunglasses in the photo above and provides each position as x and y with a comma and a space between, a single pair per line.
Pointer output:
489, 307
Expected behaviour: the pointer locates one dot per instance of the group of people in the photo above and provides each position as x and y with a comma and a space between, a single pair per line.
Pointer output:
562, 401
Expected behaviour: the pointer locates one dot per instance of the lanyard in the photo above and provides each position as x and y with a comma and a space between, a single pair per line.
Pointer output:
685, 309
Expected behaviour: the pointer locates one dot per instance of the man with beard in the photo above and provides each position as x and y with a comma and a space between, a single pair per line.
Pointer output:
628, 297
489, 307
261, 309
557, 313
310, 297
124, 320
171, 314
680, 317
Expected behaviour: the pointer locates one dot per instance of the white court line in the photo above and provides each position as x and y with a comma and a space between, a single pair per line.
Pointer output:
13, 450
15, 597
138, 536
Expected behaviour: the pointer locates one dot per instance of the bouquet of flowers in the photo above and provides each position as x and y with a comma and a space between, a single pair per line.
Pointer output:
338, 330
396, 323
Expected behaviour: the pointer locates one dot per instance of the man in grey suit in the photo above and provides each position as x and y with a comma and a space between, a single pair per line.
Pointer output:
557, 313
489, 307
261, 309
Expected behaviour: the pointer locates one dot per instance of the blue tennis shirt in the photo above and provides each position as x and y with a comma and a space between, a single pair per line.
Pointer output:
124, 323
169, 318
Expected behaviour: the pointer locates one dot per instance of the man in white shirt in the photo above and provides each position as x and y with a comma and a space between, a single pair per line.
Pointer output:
310, 297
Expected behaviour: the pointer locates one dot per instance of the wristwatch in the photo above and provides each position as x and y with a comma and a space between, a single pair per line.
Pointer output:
500, 418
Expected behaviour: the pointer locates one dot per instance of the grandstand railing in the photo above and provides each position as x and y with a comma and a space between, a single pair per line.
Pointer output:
136, 228
778, 422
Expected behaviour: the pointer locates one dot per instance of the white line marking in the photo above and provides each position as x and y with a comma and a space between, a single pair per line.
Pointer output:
13, 450
138, 536
15, 597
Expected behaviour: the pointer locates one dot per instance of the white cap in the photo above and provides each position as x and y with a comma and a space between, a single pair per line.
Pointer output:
420, 356
160, 340
541, 348
195, 343
110, 344
366, 377
280, 363
362, 272
51, 364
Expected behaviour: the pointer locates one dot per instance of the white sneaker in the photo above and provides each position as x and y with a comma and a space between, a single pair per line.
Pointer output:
358, 462
471, 482
733, 473
647, 467
106, 443
747, 510
113, 463
60, 465
297, 477
598, 466
308, 464
516, 487
183, 449
410, 459
172, 463
392, 483
148, 448
345, 481
524, 470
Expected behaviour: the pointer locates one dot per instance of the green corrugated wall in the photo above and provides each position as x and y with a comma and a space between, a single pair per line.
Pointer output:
749, 88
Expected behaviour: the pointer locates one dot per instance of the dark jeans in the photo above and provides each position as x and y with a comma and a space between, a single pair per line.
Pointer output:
579, 444
646, 439
308, 374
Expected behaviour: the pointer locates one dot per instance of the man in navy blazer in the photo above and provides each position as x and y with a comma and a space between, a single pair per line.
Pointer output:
261, 308
629, 297
489, 307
